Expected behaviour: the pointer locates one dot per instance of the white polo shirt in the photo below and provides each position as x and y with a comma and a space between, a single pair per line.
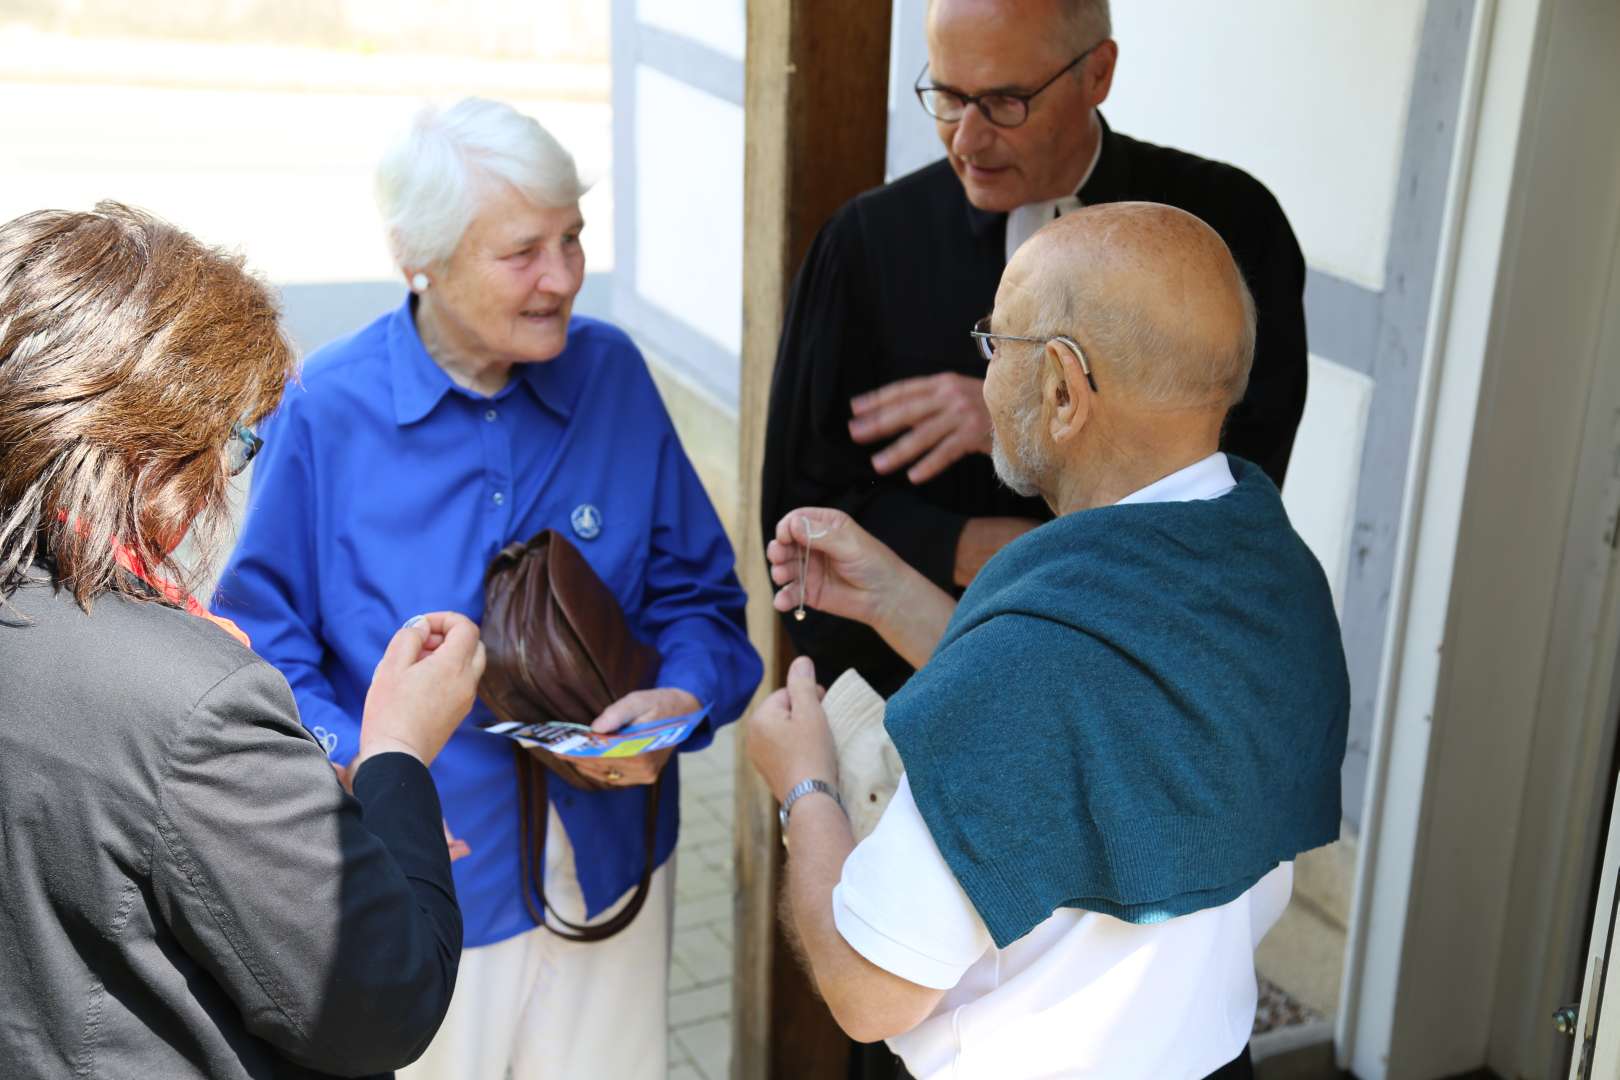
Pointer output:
1082, 995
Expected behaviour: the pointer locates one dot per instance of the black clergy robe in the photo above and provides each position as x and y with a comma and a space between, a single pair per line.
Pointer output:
890, 289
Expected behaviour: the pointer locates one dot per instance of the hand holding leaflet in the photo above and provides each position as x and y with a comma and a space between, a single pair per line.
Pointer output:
579, 741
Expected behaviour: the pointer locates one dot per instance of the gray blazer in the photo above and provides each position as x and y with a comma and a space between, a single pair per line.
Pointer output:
185, 888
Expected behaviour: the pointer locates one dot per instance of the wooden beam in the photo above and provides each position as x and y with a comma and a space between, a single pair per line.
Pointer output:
817, 86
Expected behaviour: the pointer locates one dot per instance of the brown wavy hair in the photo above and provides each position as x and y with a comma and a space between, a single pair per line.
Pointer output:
128, 349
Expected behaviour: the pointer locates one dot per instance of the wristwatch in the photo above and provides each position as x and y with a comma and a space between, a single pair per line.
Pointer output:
800, 790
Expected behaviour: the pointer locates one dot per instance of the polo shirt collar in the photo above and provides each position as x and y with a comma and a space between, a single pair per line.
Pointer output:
1207, 478
556, 383
419, 383
1106, 183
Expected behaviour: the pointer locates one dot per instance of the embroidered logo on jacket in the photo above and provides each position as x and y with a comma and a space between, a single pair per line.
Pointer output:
587, 521
327, 739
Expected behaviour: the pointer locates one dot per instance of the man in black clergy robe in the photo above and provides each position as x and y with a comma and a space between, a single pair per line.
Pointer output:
876, 404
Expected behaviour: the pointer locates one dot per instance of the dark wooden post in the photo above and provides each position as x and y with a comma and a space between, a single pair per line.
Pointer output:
817, 74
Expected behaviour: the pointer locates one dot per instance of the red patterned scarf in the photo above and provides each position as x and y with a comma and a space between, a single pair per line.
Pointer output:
173, 593
132, 563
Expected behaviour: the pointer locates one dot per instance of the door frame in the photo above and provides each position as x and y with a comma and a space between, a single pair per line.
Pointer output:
1481, 837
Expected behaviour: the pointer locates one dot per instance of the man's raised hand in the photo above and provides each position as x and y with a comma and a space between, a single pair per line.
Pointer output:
943, 418
423, 687
822, 559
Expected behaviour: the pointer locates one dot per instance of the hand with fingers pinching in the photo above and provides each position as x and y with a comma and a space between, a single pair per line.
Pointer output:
422, 688
823, 559
637, 707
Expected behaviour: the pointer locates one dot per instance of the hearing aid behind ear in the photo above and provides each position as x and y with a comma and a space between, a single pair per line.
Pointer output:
1085, 368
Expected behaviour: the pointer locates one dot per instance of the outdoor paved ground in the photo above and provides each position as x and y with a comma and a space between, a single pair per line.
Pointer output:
700, 972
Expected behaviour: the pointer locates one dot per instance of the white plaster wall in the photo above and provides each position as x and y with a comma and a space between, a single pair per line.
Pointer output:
720, 24
1319, 491
689, 205
1310, 97
913, 141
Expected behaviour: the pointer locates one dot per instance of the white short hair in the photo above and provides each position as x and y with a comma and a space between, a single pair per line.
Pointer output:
430, 181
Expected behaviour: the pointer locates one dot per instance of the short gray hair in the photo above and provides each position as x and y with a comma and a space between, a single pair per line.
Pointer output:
431, 179
1133, 349
1087, 22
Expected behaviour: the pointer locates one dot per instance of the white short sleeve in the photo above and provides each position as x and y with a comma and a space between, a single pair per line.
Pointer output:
899, 905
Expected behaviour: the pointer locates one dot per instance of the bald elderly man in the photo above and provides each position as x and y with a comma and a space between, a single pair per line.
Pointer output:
1124, 733
876, 405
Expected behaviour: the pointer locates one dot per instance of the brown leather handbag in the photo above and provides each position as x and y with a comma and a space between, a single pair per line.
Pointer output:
558, 648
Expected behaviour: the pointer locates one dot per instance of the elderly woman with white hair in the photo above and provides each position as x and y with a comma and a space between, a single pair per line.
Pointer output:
479, 412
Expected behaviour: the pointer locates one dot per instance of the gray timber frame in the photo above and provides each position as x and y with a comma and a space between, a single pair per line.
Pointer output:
678, 344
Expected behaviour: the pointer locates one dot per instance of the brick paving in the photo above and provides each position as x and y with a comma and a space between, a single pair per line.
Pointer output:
700, 971
1279, 1009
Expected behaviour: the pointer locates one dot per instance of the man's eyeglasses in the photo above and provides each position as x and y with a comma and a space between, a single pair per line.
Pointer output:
986, 341
241, 448
1003, 108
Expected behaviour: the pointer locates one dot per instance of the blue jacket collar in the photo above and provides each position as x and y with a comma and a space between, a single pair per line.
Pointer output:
419, 383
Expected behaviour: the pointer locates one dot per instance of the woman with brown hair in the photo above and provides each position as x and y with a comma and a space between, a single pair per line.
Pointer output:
187, 889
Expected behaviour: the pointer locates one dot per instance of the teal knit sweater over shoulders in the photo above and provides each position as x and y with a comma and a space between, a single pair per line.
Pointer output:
1137, 710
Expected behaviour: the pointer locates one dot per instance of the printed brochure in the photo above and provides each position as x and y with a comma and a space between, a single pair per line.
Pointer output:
579, 741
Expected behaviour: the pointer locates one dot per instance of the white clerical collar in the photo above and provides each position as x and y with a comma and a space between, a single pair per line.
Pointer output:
1209, 478
1024, 220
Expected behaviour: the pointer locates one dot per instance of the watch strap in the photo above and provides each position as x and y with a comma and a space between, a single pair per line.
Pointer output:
799, 791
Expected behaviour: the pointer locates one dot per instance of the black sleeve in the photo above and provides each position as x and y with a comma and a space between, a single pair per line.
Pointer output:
1262, 426
329, 920
825, 358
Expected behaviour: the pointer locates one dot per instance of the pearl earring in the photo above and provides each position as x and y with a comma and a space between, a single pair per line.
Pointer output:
420, 282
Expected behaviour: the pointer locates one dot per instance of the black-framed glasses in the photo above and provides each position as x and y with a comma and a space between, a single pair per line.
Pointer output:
1003, 108
986, 341
241, 448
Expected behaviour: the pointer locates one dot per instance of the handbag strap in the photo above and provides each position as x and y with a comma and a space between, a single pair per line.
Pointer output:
532, 812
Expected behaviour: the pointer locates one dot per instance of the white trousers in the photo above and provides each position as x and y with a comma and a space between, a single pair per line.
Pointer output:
537, 1007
